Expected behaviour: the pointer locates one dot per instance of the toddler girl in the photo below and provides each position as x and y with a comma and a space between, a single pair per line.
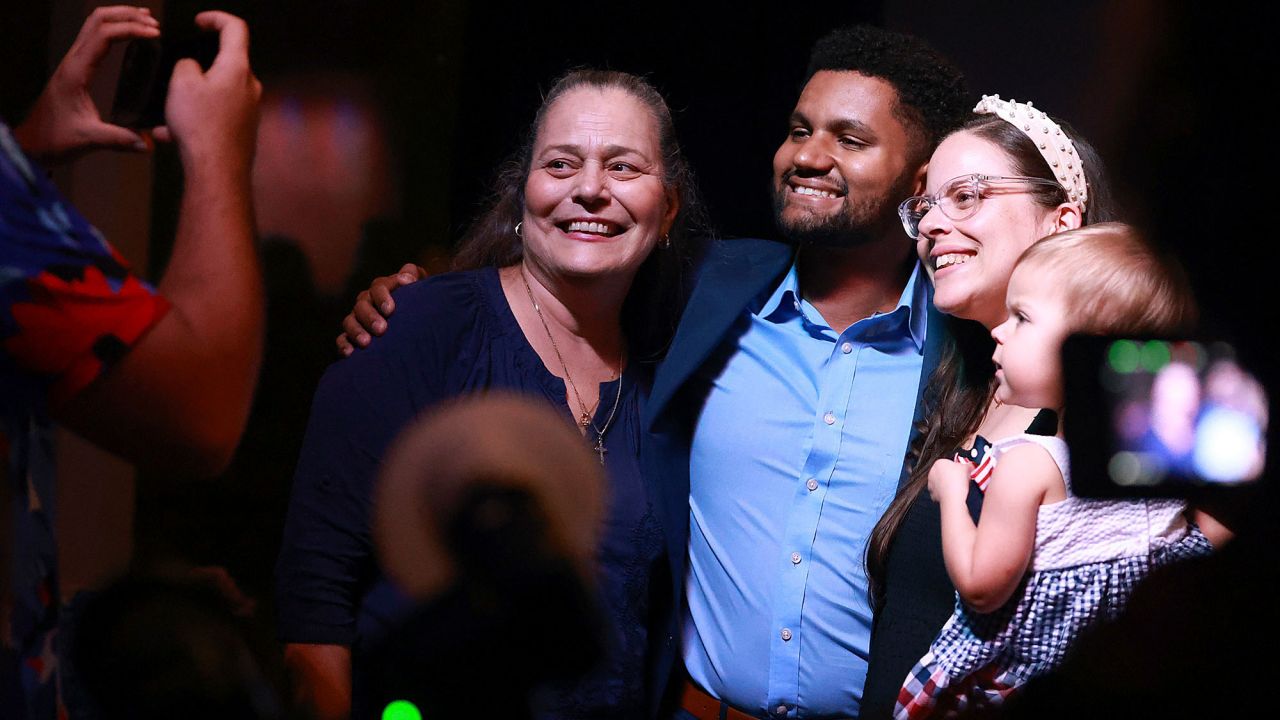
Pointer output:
1042, 565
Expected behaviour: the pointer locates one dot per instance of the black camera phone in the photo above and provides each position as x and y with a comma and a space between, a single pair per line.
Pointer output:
1161, 417
148, 65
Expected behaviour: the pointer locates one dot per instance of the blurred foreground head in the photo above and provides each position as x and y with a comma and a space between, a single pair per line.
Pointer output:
152, 648
488, 513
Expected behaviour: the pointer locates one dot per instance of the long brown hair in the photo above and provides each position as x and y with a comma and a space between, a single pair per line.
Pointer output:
653, 306
960, 389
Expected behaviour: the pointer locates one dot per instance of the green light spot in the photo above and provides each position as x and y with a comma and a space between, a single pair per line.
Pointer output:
1155, 355
1123, 356
401, 710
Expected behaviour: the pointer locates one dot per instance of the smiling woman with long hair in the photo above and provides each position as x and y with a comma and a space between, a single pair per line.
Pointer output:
991, 194
560, 295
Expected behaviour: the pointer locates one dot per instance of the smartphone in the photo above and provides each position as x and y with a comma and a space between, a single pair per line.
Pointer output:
1161, 417
148, 65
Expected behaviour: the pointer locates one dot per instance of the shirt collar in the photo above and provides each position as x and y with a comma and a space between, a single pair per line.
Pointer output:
917, 297
781, 305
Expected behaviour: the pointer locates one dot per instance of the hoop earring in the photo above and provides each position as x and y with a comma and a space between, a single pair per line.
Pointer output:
517, 229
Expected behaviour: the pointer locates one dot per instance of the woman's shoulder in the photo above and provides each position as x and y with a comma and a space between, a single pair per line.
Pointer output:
436, 321
449, 304
448, 294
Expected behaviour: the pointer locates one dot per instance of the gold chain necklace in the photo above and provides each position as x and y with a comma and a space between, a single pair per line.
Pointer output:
585, 419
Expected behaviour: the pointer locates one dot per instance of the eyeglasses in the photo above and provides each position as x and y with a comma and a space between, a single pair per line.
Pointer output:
960, 197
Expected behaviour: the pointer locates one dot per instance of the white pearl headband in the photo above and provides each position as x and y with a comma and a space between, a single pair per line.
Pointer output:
1054, 144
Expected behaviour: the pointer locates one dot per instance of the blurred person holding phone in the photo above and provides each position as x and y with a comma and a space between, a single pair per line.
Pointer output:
162, 376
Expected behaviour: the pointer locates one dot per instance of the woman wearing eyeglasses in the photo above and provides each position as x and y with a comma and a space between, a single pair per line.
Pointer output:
992, 190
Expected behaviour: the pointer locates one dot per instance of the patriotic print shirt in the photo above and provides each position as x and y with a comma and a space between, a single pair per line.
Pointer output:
69, 308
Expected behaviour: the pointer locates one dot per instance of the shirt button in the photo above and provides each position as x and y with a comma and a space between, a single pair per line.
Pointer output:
795, 558
786, 634
811, 484
829, 418
780, 710
846, 348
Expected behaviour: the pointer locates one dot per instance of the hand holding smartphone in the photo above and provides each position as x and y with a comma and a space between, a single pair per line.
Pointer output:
148, 67
64, 123
1161, 417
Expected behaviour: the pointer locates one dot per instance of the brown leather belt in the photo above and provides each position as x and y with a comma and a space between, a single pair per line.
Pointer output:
704, 707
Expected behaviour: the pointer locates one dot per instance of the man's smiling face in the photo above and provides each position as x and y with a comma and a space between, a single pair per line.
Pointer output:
846, 163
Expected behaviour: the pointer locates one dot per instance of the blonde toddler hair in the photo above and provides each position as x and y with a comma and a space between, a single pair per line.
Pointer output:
1114, 282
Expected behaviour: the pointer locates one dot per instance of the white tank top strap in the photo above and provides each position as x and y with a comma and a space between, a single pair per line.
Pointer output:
1055, 446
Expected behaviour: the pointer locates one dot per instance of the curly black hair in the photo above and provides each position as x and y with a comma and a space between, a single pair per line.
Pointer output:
933, 97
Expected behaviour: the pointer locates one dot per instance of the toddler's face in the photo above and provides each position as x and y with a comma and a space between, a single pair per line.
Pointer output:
1029, 343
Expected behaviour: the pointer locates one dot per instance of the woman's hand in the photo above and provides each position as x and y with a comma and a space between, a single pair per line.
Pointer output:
372, 307
64, 123
949, 480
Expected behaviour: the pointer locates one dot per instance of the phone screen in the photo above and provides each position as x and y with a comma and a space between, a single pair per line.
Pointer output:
148, 65
1158, 416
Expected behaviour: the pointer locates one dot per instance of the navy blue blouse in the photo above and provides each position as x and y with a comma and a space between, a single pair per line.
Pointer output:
451, 335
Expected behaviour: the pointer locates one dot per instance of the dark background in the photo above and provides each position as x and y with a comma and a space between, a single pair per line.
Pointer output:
1172, 94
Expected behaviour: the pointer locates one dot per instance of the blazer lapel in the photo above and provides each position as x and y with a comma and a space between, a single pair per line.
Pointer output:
735, 272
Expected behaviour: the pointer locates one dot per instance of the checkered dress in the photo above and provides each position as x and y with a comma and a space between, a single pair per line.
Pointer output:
1088, 557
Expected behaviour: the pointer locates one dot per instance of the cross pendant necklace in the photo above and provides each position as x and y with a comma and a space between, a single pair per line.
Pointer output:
585, 418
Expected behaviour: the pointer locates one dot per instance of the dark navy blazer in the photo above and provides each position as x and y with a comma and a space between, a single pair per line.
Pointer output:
920, 596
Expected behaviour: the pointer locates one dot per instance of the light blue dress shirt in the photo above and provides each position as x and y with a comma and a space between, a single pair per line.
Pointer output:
796, 454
